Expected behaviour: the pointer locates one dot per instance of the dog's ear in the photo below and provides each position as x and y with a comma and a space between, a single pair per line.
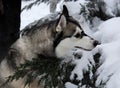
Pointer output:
62, 20
65, 11
61, 23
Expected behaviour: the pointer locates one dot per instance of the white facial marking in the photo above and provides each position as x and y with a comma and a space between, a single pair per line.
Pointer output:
78, 30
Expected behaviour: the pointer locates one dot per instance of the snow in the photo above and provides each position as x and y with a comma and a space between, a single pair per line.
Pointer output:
40, 11
35, 13
111, 7
83, 64
106, 32
70, 85
75, 9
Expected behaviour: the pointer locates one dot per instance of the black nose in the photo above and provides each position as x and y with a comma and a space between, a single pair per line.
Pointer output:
95, 43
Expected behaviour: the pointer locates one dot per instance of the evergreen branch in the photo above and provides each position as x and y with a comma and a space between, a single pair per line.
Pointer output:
36, 2
45, 69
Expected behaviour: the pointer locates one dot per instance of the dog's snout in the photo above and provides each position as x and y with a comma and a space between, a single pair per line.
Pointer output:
95, 43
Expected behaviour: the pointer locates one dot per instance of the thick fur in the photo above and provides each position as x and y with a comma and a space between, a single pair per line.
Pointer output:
49, 38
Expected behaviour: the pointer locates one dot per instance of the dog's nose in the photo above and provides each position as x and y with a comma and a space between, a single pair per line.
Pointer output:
95, 43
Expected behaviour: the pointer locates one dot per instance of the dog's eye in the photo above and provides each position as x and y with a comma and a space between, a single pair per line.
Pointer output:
77, 35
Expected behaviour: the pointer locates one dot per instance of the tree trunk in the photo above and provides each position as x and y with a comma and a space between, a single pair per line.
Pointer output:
9, 24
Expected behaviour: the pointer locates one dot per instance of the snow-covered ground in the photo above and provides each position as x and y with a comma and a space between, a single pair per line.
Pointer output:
108, 33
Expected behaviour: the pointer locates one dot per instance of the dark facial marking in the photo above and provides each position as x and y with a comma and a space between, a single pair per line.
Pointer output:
82, 34
65, 11
77, 35
58, 38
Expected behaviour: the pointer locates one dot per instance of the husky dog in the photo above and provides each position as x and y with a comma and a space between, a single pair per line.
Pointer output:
50, 38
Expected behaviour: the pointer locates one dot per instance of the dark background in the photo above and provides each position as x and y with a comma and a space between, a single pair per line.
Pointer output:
9, 24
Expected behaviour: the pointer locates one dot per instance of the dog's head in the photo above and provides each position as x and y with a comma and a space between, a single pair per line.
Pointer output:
69, 35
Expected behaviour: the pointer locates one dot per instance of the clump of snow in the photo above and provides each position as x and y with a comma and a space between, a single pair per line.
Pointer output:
70, 85
74, 7
83, 64
108, 31
108, 34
